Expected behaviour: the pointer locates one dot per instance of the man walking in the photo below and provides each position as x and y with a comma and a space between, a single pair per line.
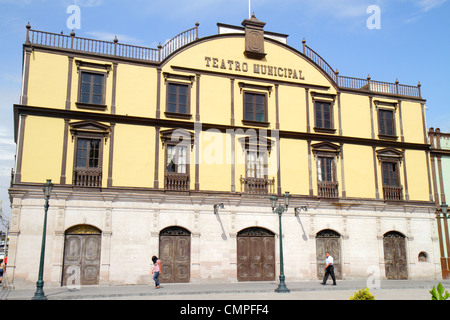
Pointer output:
329, 269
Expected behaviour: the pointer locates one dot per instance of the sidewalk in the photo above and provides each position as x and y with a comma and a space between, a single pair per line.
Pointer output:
235, 291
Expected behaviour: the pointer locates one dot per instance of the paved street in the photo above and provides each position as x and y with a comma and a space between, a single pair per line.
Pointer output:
389, 294
306, 290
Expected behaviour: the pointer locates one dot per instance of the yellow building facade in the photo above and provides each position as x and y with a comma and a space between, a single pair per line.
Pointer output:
175, 152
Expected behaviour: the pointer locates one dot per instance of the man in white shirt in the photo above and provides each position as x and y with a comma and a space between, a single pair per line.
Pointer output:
329, 269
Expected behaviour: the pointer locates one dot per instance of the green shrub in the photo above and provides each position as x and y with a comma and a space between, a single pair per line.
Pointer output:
438, 294
363, 294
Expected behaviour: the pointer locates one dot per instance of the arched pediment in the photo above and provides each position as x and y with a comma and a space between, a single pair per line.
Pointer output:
255, 232
175, 231
83, 229
223, 54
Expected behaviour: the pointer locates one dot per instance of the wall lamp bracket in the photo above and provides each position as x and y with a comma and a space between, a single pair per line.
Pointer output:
299, 209
217, 206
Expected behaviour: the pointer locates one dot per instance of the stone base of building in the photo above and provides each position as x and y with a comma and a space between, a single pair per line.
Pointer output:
109, 238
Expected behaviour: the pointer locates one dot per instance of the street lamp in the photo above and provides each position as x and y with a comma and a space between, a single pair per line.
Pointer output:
444, 208
39, 294
217, 206
279, 210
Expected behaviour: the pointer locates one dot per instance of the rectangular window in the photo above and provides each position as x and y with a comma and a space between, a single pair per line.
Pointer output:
92, 88
386, 122
323, 115
392, 190
87, 170
176, 159
327, 185
177, 168
88, 152
177, 98
255, 165
325, 169
255, 107
390, 175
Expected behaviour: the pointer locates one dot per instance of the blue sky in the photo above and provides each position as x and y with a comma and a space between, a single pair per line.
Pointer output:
413, 43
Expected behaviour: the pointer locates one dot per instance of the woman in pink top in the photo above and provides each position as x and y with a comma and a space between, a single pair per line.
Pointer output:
156, 270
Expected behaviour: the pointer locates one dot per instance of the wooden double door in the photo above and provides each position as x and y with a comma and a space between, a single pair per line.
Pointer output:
255, 255
82, 252
328, 241
175, 255
395, 256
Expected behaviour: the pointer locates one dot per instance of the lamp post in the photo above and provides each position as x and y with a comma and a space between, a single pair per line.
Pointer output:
279, 210
39, 294
444, 208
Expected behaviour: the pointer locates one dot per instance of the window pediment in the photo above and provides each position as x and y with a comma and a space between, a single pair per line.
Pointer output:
256, 143
89, 128
177, 136
324, 148
389, 154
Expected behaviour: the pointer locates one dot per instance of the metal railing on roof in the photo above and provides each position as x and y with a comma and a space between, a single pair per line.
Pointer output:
111, 48
114, 48
367, 84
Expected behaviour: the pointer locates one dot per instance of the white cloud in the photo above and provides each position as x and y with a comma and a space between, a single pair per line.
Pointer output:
427, 5
88, 3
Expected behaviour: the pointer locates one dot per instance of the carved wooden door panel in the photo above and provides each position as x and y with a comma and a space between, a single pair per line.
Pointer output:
82, 259
328, 241
395, 256
175, 256
255, 255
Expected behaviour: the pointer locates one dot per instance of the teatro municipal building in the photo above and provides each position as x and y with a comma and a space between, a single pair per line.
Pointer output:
177, 151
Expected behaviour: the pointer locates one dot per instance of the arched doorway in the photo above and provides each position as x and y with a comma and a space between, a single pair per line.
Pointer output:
175, 255
395, 256
255, 255
328, 241
82, 251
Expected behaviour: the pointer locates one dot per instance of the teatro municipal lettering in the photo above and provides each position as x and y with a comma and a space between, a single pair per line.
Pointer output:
256, 68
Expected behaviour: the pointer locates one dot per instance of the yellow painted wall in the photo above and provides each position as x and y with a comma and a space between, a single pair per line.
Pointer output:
412, 122
134, 160
217, 89
42, 152
355, 113
215, 100
71, 159
137, 96
47, 86
294, 166
215, 164
359, 172
292, 102
136, 90
417, 175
